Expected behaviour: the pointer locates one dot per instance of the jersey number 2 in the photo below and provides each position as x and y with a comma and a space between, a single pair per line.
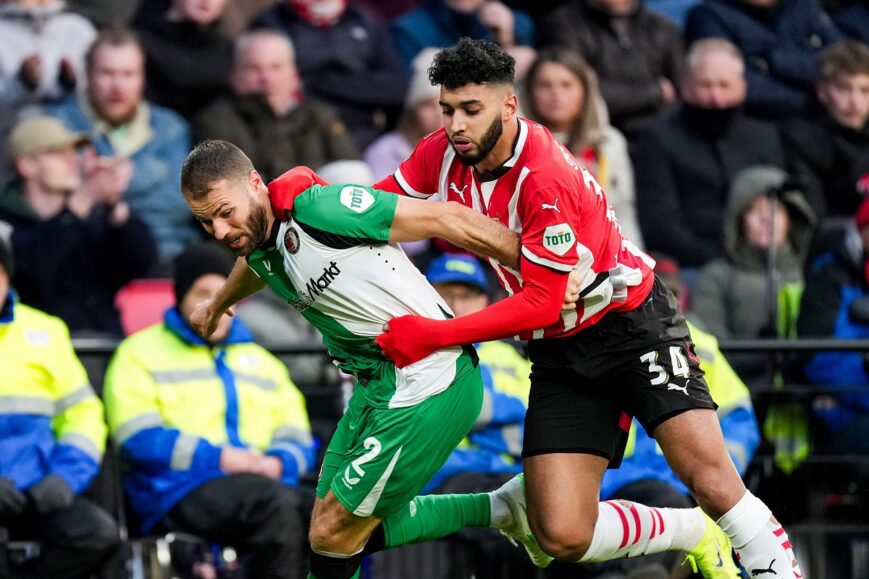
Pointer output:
372, 445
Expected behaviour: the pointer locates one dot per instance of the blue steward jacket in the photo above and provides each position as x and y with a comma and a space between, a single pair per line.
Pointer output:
174, 402
51, 421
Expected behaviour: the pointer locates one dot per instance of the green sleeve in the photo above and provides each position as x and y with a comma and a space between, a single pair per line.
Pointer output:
349, 211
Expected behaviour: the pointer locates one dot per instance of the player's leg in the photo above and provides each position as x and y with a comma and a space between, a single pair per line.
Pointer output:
571, 524
574, 429
377, 462
702, 462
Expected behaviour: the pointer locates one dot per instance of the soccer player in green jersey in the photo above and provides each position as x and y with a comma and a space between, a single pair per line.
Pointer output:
330, 251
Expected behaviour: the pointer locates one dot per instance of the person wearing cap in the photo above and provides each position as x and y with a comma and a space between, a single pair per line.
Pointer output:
52, 439
214, 434
76, 239
835, 304
269, 115
491, 454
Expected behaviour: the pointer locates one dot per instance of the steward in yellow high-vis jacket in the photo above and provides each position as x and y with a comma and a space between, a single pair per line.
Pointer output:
52, 438
214, 435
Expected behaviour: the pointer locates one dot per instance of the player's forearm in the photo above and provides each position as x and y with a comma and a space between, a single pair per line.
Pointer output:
241, 283
479, 234
523, 312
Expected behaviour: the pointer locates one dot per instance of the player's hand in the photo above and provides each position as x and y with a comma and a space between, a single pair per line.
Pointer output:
571, 293
205, 317
284, 190
407, 339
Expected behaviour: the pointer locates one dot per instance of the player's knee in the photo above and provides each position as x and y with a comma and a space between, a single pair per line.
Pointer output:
325, 535
709, 483
564, 540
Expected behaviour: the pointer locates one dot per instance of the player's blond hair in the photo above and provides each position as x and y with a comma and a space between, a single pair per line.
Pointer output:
212, 161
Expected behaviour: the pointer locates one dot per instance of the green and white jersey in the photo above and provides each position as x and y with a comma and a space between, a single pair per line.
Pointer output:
333, 263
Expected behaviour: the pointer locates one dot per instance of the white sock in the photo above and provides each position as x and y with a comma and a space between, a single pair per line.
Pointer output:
759, 540
627, 529
501, 513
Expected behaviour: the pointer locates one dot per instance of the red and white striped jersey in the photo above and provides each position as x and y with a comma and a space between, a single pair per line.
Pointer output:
558, 209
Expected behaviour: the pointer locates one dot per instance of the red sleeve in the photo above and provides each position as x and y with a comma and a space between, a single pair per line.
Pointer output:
417, 176
550, 222
389, 184
538, 305
284, 190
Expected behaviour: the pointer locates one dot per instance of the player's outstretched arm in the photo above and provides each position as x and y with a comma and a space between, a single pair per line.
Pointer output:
241, 283
416, 220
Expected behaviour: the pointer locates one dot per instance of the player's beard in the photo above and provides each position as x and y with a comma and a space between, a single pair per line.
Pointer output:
487, 143
256, 227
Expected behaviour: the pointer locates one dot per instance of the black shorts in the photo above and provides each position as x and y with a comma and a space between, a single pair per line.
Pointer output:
585, 388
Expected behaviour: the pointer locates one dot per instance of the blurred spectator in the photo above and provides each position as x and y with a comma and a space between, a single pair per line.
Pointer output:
674, 10
104, 13
491, 454
187, 58
76, 239
236, 19
389, 10
122, 124
835, 304
684, 163
42, 53
780, 40
563, 95
440, 23
854, 21
754, 291
214, 434
644, 474
636, 54
347, 171
421, 115
828, 148
345, 59
269, 116
51, 443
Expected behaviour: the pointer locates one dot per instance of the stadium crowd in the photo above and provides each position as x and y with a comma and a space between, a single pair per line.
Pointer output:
731, 138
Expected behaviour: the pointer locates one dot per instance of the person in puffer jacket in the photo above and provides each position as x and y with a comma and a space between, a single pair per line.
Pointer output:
214, 435
52, 438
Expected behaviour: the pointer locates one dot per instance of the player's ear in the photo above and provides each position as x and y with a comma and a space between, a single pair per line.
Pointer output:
510, 106
255, 179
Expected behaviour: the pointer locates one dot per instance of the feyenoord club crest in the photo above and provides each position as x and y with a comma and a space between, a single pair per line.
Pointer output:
291, 240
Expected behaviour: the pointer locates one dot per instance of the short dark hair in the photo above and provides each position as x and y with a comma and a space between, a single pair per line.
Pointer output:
114, 35
472, 62
845, 58
209, 162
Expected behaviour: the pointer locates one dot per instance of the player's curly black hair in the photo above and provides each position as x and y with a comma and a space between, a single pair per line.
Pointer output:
472, 62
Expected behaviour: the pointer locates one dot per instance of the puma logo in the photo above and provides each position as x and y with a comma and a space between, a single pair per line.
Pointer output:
684, 389
755, 572
457, 191
553, 206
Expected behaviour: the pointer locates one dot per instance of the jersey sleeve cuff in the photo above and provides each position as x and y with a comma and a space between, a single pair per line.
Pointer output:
548, 263
408, 190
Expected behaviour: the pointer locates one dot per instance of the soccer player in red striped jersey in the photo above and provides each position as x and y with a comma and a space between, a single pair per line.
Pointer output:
625, 351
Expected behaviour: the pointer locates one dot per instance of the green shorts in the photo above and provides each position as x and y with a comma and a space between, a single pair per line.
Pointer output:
380, 458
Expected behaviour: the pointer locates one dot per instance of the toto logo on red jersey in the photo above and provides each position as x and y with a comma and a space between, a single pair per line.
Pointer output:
291, 240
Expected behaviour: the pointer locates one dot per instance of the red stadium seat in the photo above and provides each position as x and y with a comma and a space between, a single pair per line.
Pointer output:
142, 303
